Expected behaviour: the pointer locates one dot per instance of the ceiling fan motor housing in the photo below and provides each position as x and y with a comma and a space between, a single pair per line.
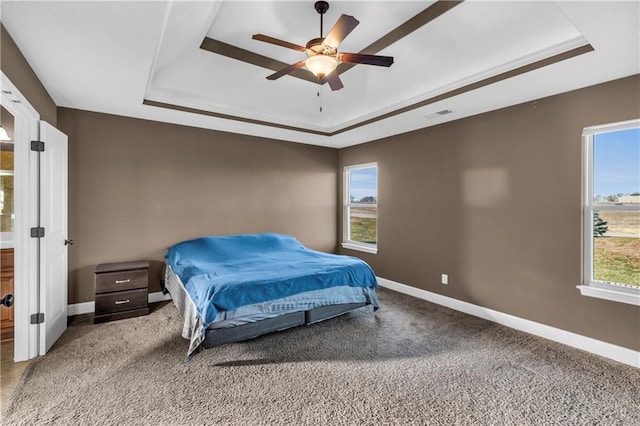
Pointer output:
315, 44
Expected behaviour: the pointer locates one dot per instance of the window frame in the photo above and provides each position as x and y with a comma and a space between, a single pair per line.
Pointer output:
347, 242
591, 287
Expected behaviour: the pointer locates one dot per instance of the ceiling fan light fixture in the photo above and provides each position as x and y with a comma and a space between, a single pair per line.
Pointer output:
321, 65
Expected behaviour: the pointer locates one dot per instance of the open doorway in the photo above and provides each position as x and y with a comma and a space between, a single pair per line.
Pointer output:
16, 109
11, 371
7, 218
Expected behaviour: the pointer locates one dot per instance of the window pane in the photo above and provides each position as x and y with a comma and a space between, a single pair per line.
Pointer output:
616, 250
616, 167
364, 224
362, 206
6, 187
363, 185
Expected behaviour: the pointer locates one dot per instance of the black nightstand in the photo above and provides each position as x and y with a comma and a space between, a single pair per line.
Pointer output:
121, 290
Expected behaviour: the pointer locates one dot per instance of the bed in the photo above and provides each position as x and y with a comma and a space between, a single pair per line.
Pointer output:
237, 287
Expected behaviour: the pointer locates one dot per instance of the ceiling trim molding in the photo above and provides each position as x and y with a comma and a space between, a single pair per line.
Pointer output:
427, 15
586, 48
174, 107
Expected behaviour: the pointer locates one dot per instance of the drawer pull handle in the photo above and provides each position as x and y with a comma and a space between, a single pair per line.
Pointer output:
122, 302
122, 281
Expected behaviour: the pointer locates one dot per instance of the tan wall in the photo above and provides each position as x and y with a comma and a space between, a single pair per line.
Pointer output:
495, 202
136, 187
18, 70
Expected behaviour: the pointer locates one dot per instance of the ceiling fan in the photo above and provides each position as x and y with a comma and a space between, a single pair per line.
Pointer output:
322, 52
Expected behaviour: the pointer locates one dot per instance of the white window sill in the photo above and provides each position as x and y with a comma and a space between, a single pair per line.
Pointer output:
361, 247
628, 295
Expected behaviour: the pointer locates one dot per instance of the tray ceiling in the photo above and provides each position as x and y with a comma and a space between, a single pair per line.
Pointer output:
195, 63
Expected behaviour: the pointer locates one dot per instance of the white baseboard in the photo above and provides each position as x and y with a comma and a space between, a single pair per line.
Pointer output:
89, 307
598, 347
81, 308
158, 297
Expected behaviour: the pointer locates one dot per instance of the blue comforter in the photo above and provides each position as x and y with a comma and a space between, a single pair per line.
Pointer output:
225, 273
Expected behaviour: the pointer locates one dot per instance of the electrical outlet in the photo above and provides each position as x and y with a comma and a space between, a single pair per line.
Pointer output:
445, 279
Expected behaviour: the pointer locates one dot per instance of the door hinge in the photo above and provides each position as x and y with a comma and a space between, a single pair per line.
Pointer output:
37, 232
37, 146
37, 318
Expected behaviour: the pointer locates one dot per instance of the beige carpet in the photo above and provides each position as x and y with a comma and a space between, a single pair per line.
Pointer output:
412, 362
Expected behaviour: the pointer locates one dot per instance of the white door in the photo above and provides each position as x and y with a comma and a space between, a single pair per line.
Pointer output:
53, 246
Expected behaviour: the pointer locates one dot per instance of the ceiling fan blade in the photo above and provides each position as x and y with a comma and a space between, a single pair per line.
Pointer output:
286, 70
361, 58
334, 80
278, 42
341, 29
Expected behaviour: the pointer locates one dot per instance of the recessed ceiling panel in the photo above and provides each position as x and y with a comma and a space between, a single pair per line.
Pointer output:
471, 41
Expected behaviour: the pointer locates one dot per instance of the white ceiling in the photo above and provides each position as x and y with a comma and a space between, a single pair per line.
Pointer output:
111, 56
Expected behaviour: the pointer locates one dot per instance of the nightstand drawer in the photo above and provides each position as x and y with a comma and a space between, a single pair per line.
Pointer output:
121, 301
121, 280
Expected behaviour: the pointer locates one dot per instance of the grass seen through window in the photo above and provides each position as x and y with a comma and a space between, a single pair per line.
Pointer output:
617, 253
363, 229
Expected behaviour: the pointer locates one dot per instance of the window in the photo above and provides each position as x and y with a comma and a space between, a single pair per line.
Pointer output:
611, 209
361, 208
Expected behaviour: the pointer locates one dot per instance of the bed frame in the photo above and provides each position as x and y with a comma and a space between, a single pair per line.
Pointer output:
223, 336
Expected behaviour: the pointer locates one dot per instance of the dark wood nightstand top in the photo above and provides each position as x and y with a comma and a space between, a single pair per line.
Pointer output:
121, 266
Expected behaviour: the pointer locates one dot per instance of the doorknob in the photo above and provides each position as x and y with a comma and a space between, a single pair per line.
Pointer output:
7, 300
68, 242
